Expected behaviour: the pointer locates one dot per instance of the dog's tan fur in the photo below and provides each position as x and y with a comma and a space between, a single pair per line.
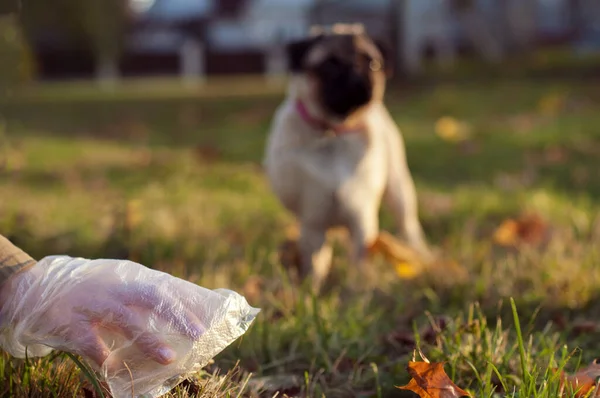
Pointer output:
329, 180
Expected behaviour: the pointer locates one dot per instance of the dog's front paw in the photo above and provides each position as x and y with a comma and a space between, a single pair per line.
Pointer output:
289, 257
429, 254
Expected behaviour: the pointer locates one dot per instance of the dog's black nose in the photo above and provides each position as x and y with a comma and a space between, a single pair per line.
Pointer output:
347, 93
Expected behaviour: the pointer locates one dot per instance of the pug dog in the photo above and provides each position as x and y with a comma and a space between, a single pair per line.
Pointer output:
334, 153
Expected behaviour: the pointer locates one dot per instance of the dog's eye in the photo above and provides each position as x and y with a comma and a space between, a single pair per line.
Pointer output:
375, 65
333, 61
330, 66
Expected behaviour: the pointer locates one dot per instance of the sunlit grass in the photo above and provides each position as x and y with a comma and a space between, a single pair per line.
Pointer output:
175, 183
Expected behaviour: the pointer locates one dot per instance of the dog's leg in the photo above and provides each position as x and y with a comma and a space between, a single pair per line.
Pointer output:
401, 197
363, 230
315, 256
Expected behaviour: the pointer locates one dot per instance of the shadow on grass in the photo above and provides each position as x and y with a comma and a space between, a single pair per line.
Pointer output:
234, 130
505, 166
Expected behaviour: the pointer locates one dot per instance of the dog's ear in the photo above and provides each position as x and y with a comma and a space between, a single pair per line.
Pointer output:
297, 50
386, 52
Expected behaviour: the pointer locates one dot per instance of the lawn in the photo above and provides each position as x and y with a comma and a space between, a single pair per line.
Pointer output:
172, 179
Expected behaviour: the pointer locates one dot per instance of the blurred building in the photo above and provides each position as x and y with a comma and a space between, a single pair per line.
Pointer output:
207, 37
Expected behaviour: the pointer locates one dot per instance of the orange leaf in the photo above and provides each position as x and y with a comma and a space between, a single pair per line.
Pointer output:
529, 228
414, 387
429, 380
583, 382
394, 250
506, 233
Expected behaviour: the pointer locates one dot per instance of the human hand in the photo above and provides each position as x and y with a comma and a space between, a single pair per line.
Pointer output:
82, 306
132, 323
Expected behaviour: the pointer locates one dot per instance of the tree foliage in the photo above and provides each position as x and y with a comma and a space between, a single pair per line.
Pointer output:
16, 64
98, 24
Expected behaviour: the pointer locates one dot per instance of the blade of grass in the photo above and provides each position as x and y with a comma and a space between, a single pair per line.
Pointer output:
499, 375
88, 374
519, 340
377, 382
244, 385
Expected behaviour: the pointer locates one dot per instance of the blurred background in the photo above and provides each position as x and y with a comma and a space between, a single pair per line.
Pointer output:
128, 122
197, 39
125, 122
135, 129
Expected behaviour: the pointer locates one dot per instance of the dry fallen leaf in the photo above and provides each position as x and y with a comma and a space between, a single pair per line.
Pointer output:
406, 262
529, 228
507, 233
583, 382
406, 270
429, 380
450, 129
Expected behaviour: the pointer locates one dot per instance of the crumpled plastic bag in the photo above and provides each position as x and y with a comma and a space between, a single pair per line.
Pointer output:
61, 300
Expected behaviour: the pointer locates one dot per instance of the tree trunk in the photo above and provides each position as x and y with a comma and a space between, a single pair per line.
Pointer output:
440, 33
589, 11
423, 22
107, 71
192, 60
479, 32
409, 40
575, 17
396, 10
521, 24
276, 63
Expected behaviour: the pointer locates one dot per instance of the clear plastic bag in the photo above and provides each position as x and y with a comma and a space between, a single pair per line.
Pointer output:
122, 318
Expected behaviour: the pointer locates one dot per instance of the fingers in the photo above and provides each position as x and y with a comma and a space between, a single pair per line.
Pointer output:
131, 324
139, 295
173, 312
184, 322
168, 309
156, 349
93, 347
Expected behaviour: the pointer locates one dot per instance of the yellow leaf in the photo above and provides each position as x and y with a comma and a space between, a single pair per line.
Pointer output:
450, 129
406, 262
406, 270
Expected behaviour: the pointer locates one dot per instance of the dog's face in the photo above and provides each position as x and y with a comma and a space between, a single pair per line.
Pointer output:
345, 71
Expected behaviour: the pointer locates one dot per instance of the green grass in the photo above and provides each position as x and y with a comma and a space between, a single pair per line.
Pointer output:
172, 179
